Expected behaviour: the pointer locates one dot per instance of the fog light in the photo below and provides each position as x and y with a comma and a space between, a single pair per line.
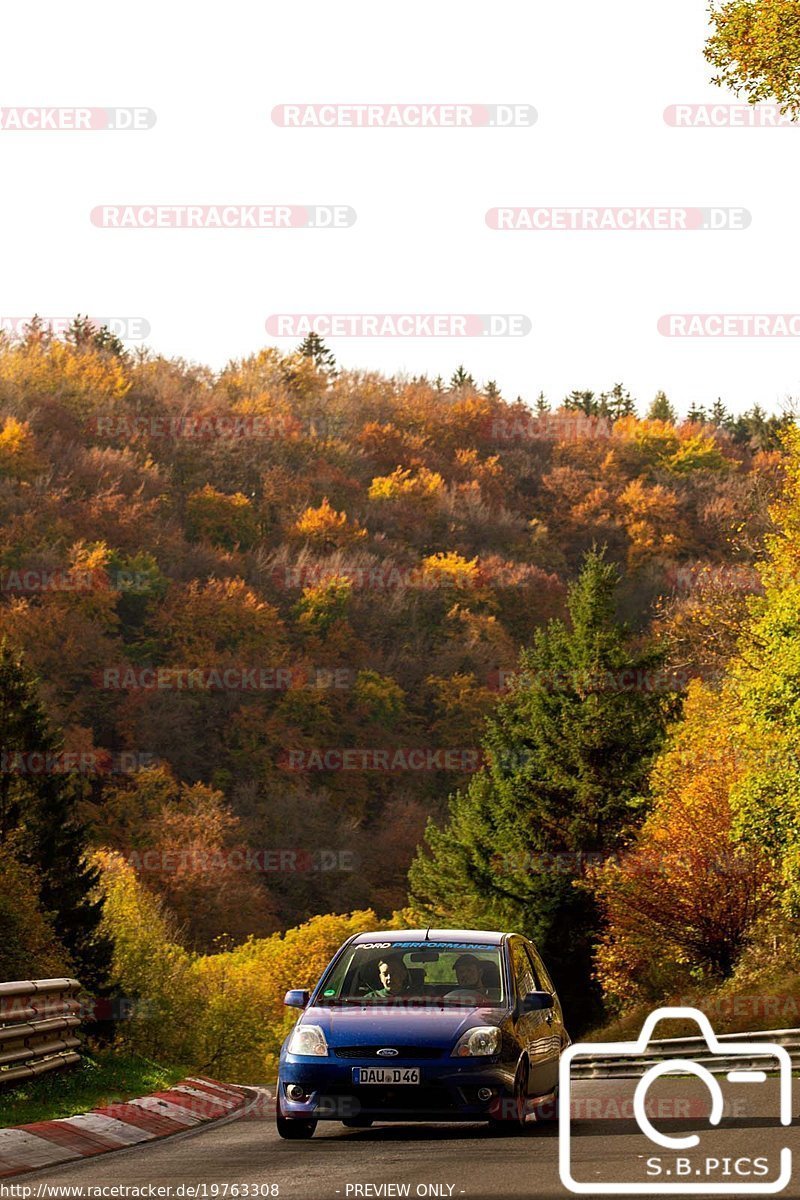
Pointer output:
484, 1093
295, 1092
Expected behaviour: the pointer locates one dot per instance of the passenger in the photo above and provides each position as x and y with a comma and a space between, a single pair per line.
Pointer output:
394, 977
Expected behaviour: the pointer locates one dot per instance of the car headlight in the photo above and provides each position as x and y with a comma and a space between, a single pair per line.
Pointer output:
475, 1043
308, 1039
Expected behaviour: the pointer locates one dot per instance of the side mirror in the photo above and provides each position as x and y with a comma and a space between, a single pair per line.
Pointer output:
296, 998
537, 1002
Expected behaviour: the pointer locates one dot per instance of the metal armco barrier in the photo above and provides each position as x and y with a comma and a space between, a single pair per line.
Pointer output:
598, 1066
38, 1020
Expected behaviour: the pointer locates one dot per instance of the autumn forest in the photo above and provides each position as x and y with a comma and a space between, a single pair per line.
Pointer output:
291, 645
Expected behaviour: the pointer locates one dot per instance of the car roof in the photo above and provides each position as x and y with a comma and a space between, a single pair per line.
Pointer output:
479, 936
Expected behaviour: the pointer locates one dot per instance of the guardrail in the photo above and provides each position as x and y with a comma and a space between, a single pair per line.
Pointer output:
597, 1066
38, 1020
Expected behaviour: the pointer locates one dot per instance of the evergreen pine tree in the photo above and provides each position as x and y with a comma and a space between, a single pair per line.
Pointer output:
719, 414
567, 760
661, 409
38, 812
312, 346
584, 402
461, 378
617, 403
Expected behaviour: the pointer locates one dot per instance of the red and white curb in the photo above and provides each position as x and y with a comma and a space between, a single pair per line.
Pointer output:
185, 1105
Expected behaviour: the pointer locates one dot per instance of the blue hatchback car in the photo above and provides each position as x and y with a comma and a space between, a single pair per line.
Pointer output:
430, 1025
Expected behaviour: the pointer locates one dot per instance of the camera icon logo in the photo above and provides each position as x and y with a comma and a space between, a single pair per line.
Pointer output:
678, 1170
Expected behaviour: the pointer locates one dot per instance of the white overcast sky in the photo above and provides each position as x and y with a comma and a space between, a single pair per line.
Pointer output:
599, 75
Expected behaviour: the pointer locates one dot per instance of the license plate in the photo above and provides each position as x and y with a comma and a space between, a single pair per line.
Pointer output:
386, 1075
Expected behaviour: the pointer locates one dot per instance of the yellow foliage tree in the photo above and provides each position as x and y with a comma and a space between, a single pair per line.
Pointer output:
18, 458
402, 484
327, 529
222, 1012
651, 520
449, 569
81, 378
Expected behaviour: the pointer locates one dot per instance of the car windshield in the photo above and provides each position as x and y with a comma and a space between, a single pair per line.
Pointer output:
419, 973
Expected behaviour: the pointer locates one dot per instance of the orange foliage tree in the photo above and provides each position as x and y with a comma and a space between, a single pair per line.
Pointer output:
680, 902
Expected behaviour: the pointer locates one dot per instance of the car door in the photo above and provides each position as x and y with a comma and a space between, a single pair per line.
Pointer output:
546, 983
553, 1022
533, 1029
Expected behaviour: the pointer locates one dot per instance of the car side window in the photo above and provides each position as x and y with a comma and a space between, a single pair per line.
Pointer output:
542, 972
523, 971
537, 966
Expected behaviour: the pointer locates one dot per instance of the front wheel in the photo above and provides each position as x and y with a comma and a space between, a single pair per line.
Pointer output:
509, 1115
292, 1129
357, 1122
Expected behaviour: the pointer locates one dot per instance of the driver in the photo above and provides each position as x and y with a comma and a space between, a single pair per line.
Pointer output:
394, 977
468, 974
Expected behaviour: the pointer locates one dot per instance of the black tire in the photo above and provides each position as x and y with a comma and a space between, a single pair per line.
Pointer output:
357, 1122
510, 1117
293, 1129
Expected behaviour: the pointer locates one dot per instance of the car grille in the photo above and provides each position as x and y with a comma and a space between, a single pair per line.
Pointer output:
403, 1052
411, 1101
407, 1100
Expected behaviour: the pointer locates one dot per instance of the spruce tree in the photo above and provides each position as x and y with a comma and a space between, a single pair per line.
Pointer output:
461, 378
617, 403
313, 346
38, 815
661, 409
585, 402
566, 764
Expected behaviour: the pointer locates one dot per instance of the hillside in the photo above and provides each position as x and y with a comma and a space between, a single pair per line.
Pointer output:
271, 608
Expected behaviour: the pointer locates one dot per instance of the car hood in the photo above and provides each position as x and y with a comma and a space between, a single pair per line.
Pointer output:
396, 1026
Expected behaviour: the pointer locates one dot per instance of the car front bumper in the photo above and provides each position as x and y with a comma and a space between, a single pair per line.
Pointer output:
448, 1090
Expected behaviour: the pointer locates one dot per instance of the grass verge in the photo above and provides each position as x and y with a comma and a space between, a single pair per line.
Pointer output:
101, 1078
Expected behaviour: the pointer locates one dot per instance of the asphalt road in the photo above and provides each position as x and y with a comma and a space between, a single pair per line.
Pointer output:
468, 1161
